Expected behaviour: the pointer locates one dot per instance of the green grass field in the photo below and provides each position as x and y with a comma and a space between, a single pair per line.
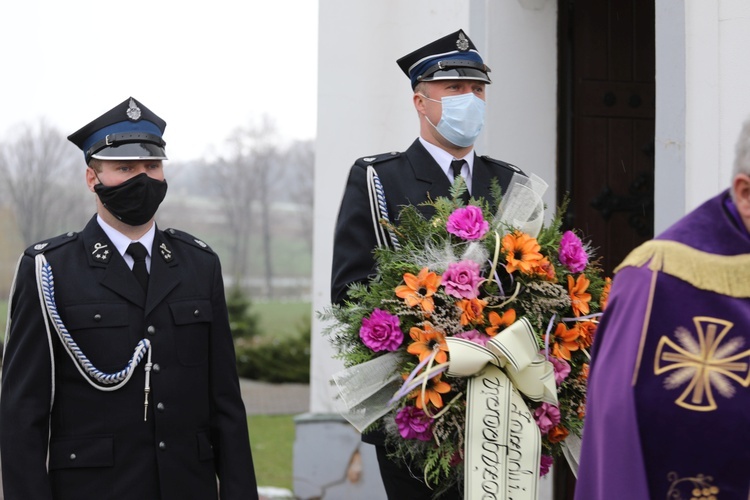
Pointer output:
272, 442
3, 317
281, 319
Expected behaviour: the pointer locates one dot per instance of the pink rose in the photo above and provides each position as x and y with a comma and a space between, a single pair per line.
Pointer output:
462, 279
544, 465
467, 223
414, 424
381, 331
572, 254
561, 367
547, 416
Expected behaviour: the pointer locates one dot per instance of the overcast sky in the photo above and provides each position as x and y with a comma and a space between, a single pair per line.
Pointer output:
205, 67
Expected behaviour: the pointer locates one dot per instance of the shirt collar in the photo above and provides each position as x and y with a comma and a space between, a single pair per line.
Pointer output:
121, 242
444, 158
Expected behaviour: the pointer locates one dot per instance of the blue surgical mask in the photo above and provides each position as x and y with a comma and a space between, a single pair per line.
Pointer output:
461, 120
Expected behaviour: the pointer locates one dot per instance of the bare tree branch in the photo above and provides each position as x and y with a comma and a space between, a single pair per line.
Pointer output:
44, 181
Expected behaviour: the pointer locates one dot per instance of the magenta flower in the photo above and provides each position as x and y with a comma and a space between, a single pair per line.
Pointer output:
381, 331
414, 424
544, 465
547, 416
572, 254
467, 223
474, 336
562, 369
461, 279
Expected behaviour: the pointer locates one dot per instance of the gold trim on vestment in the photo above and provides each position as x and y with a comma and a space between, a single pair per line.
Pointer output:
723, 274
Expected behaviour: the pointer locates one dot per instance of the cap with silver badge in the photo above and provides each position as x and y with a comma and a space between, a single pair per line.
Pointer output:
129, 131
452, 57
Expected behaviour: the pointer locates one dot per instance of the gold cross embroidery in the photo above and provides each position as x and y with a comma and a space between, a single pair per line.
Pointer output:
706, 363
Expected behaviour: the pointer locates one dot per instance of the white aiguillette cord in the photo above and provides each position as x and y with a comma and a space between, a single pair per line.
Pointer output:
95, 377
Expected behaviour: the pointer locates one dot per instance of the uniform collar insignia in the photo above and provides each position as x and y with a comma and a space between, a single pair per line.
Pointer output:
133, 112
199, 242
101, 252
40, 246
165, 252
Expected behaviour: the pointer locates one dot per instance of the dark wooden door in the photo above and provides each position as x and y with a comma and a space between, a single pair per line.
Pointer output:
606, 128
606, 132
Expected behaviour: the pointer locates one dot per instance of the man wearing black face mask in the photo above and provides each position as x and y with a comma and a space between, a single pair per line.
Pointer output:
448, 77
119, 375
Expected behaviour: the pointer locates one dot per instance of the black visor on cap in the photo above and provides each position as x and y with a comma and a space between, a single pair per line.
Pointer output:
131, 151
456, 74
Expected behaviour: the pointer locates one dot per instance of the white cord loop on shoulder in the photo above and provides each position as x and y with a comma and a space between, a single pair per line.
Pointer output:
379, 211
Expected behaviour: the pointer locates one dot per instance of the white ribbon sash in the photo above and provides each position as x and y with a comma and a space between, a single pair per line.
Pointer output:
502, 442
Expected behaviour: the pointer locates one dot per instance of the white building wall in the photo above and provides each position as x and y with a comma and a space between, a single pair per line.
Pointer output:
702, 77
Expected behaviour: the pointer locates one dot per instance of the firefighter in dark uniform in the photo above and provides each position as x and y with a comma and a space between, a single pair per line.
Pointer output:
119, 377
448, 77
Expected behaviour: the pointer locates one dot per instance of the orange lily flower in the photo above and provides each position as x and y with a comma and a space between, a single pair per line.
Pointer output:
557, 434
579, 299
566, 340
587, 330
522, 252
584, 375
471, 311
435, 387
427, 340
605, 293
419, 289
500, 323
546, 269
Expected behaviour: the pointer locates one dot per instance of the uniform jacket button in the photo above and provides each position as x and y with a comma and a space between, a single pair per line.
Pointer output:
162, 445
160, 406
196, 313
151, 330
97, 317
72, 456
156, 368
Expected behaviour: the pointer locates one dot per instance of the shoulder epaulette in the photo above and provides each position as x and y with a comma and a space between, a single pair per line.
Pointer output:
372, 160
503, 164
187, 238
51, 243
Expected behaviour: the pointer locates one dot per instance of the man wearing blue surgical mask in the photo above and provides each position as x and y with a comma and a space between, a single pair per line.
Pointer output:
448, 78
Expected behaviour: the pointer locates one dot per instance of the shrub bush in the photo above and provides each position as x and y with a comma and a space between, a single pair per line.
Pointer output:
276, 360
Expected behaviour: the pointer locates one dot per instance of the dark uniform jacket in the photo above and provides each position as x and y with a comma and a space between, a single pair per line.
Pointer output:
99, 445
412, 177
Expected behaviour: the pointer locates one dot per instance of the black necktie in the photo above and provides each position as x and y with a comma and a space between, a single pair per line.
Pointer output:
456, 166
138, 252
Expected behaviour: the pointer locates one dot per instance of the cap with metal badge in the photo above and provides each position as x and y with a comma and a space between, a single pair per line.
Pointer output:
129, 131
452, 57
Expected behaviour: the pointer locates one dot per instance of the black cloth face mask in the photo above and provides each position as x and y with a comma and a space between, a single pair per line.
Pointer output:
135, 201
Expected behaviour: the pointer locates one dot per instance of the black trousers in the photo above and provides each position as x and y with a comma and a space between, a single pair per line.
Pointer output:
400, 484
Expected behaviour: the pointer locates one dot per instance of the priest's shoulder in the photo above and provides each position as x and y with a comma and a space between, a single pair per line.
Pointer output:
378, 160
182, 237
503, 164
51, 244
